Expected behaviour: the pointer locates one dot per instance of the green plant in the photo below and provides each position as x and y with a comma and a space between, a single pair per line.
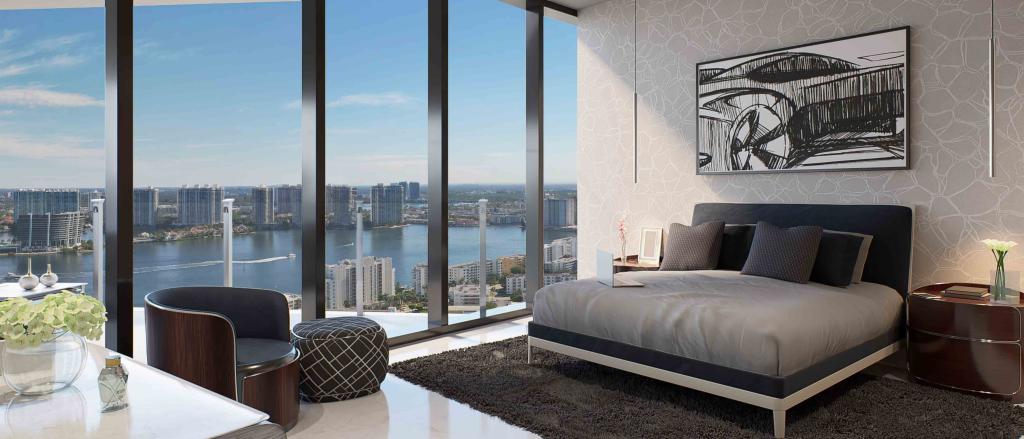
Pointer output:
24, 323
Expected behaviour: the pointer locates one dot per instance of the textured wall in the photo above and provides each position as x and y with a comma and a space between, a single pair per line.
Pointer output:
957, 204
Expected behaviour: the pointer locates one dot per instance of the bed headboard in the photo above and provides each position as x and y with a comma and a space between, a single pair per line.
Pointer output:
892, 227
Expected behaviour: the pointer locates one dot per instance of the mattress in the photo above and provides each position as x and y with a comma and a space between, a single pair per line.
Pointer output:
755, 324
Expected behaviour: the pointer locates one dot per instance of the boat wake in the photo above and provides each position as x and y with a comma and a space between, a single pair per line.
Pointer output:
141, 270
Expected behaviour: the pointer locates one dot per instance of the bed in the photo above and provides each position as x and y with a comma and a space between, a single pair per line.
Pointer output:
762, 341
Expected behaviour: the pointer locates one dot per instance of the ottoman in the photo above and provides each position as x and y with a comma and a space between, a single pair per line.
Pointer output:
342, 358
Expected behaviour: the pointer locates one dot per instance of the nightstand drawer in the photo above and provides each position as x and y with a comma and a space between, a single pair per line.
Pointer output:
978, 322
967, 365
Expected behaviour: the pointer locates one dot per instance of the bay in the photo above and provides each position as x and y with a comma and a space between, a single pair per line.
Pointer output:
262, 258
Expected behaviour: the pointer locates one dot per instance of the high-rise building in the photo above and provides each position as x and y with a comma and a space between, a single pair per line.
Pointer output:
560, 248
37, 201
419, 279
413, 194
341, 205
288, 201
559, 212
49, 231
507, 263
262, 206
145, 203
378, 282
387, 204
199, 205
517, 283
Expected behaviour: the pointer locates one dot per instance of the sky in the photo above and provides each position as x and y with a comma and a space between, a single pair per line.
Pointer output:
217, 90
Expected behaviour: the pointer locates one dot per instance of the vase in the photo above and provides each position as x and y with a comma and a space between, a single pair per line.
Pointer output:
624, 260
49, 278
47, 368
28, 281
1005, 285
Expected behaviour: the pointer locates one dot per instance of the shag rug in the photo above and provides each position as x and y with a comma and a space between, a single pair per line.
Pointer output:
561, 397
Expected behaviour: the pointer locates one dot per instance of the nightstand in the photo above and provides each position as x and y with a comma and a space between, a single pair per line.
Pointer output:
968, 345
632, 264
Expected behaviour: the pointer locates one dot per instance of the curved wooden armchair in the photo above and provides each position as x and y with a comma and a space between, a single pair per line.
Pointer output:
233, 341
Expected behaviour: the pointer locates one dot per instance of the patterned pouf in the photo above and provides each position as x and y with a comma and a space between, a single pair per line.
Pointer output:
342, 358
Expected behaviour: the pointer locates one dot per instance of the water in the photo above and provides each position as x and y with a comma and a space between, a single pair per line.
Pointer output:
261, 259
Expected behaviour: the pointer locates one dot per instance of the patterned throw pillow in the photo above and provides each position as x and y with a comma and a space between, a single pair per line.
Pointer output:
785, 254
693, 248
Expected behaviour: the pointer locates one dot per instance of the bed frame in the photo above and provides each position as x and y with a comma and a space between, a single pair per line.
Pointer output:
888, 264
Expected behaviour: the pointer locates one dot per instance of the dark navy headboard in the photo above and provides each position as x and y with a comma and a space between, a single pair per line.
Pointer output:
891, 226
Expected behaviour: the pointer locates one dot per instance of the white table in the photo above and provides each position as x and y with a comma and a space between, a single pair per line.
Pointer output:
9, 290
159, 406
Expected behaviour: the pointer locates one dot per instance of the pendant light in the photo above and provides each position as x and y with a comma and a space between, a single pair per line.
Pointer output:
992, 92
636, 98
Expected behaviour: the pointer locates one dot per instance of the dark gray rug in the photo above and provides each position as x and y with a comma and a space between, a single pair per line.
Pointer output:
561, 397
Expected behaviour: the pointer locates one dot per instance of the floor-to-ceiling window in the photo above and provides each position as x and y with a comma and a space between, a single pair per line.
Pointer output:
559, 151
216, 116
376, 162
51, 140
216, 87
486, 157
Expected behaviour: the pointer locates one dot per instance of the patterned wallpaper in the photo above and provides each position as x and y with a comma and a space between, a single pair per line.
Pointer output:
956, 203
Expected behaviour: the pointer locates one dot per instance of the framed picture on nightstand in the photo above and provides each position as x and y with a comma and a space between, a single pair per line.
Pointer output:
650, 246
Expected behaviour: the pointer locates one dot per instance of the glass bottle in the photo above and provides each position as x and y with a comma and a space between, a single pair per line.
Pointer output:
113, 385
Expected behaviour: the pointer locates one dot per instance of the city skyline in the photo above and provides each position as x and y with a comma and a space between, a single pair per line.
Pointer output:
51, 96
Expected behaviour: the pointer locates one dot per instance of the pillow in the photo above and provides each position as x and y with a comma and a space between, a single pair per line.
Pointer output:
693, 248
837, 258
785, 254
862, 257
736, 240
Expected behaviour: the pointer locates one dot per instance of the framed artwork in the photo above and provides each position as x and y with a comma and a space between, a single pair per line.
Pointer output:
834, 105
650, 246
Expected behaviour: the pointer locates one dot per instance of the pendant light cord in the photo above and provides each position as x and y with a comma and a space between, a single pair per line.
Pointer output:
636, 98
992, 91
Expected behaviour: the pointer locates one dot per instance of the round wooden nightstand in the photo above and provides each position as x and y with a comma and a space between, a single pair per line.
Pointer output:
968, 345
632, 264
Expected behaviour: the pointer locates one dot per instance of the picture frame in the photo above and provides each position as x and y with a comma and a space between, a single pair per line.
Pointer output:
650, 246
776, 111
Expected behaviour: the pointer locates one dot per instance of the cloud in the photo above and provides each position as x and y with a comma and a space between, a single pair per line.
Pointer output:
293, 105
40, 97
7, 35
372, 100
23, 147
154, 50
45, 53
6, 112
60, 42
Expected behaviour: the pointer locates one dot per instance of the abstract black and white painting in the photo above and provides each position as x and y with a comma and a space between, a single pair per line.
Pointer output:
833, 105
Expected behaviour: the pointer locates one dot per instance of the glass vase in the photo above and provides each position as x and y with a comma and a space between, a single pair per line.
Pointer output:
1005, 285
47, 368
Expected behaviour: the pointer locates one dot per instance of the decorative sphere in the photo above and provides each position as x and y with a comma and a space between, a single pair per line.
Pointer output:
28, 281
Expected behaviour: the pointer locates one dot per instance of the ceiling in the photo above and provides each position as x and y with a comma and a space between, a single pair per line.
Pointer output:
43, 4
47, 4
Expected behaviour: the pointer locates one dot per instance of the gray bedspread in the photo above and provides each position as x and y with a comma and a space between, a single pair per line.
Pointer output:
751, 323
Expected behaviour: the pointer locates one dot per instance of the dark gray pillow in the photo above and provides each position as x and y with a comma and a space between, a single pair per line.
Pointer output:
837, 258
736, 239
693, 248
785, 254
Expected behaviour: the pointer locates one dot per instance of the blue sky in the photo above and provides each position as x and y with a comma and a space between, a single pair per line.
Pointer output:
217, 86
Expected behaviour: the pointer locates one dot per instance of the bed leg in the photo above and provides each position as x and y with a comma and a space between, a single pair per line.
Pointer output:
779, 419
529, 351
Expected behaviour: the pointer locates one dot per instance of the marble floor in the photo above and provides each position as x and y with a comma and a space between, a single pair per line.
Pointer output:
404, 410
